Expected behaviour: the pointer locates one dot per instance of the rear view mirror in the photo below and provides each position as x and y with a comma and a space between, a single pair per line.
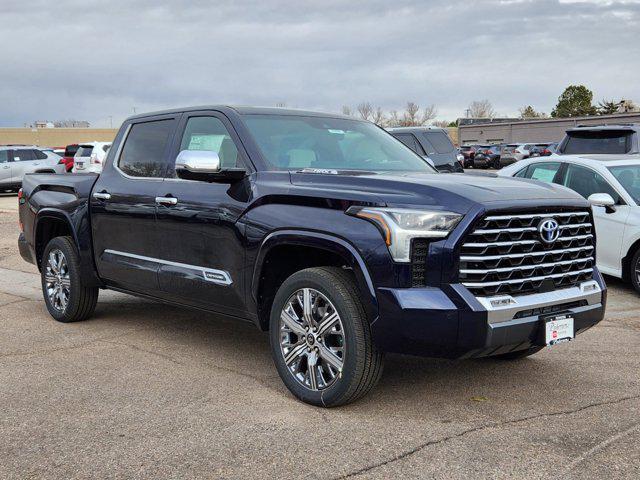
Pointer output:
602, 200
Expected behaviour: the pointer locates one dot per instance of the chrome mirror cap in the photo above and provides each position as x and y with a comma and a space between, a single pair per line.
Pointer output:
198, 161
601, 200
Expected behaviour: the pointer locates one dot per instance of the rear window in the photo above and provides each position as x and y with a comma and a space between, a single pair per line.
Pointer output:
144, 148
440, 141
84, 151
598, 141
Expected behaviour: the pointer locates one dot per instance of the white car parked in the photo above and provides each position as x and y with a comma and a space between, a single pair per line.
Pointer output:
612, 185
16, 160
90, 156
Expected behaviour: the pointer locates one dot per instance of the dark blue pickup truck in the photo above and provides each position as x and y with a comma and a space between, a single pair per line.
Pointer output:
324, 231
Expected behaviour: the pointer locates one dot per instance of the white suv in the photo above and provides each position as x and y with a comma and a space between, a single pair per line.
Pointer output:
610, 180
16, 160
90, 156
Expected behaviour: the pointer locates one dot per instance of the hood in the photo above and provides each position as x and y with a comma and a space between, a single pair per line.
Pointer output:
457, 192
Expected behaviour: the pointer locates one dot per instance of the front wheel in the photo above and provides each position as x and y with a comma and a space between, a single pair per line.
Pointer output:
67, 299
321, 339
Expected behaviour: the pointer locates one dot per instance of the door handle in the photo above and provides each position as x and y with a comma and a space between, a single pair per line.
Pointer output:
166, 200
6, 167
102, 196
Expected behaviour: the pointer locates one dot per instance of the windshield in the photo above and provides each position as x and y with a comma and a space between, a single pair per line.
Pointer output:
597, 141
299, 142
629, 177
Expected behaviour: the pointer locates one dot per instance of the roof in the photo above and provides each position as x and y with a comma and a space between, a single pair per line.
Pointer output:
612, 126
247, 110
595, 159
413, 129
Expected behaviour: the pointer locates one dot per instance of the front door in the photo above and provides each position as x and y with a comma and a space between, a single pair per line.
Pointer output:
123, 207
202, 247
609, 225
6, 180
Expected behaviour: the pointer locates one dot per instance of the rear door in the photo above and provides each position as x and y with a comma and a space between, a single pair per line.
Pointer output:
5, 169
22, 163
127, 247
202, 249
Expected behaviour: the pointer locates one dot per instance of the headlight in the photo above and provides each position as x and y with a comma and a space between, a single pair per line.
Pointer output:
399, 225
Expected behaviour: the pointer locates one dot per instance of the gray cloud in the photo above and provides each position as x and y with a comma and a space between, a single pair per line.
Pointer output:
95, 59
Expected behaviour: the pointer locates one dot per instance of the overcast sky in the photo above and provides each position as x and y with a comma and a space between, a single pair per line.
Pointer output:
98, 59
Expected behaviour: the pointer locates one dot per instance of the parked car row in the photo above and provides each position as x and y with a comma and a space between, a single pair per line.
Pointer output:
17, 160
500, 155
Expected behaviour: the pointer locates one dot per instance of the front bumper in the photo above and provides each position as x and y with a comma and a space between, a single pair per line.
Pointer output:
452, 323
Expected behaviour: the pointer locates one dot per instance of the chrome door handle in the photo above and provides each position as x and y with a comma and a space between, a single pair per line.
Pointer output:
102, 196
166, 200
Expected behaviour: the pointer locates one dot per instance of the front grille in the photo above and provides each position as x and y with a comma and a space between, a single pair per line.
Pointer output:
505, 254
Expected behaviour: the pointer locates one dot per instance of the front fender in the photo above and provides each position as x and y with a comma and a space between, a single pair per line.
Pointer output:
324, 241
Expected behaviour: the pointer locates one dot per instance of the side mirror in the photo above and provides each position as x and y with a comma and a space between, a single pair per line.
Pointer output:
204, 166
198, 161
602, 200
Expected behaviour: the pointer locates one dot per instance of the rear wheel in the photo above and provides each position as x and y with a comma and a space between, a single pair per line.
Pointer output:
321, 339
67, 299
634, 270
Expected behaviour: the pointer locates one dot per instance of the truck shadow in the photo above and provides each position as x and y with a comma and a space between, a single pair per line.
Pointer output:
410, 385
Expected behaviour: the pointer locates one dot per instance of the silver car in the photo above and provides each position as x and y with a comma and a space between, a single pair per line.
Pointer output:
16, 160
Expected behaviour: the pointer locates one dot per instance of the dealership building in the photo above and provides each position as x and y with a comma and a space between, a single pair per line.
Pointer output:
509, 130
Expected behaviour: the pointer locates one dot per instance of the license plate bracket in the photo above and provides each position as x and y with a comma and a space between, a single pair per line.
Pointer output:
558, 329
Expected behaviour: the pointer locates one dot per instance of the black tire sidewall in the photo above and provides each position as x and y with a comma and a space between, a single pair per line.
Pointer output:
66, 247
632, 271
348, 314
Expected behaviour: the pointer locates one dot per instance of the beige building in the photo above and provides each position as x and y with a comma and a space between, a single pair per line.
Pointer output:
533, 131
55, 137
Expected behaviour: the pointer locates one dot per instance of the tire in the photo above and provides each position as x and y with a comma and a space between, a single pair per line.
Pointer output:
518, 354
634, 271
330, 291
67, 299
497, 165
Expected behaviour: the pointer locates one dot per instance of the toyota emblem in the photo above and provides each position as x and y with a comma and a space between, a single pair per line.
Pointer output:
549, 230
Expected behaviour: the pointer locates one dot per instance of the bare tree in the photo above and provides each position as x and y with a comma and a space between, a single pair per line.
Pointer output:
394, 119
365, 110
347, 110
481, 109
378, 117
411, 116
429, 113
441, 123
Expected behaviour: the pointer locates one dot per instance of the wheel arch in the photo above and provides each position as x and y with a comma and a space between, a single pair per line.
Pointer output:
626, 259
317, 249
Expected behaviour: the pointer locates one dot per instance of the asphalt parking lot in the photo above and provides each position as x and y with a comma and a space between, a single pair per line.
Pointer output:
145, 390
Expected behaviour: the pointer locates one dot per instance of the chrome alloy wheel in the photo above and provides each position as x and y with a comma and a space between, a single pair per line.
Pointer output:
312, 339
57, 280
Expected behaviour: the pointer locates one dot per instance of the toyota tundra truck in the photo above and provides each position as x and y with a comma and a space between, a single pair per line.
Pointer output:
322, 230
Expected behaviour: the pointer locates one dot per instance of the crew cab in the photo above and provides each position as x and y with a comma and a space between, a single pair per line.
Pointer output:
323, 230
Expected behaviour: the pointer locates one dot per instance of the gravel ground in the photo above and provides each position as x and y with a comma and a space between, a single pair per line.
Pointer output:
145, 390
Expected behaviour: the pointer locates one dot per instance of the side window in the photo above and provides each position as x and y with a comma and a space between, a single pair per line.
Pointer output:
410, 141
587, 182
143, 153
23, 155
40, 155
439, 141
545, 172
209, 133
4, 156
522, 173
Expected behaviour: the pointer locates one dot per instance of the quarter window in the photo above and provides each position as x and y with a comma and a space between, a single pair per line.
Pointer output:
40, 155
143, 153
439, 141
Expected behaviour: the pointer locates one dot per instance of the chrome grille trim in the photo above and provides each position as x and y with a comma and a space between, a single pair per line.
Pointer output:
530, 279
505, 254
524, 242
528, 267
537, 215
523, 255
528, 229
